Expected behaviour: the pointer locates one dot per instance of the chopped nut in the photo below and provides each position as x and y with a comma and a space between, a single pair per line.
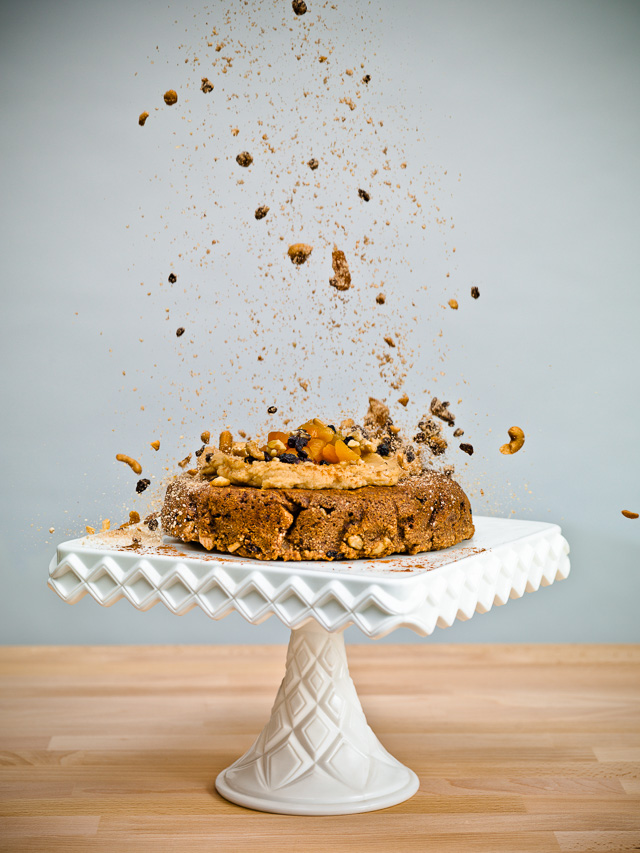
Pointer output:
458, 432
342, 277
90, 530
626, 512
234, 547
356, 542
475, 293
244, 159
225, 442
134, 517
220, 481
141, 485
206, 86
441, 410
155, 444
170, 97
366, 78
299, 7
179, 331
106, 524
517, 440
184, 462
467, 448
430, 433
299, 252
404, 399
52, 530
261, 211
364, 195
142, 118
272, 410
172, 278
135, 466
205, 436
313, 163
453, 303
381, 299
389, 340
152, 522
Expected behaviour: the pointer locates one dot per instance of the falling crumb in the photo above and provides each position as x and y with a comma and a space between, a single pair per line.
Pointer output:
184, 462
467, 448
475, 293
626, 512
453, 303
348, 102
342, 276
206, 86
364, 195
458, 432
299, 7
90, 530
172, 278
381, 299
142, 118
155, 444
389, 340
272, 410
303, 384
299, 252
52, 530
313, 164
261, 211
170, 97
141, 485
244, 159
134, 517
403, 400
366, 78
441, 410
235, 131
106, 525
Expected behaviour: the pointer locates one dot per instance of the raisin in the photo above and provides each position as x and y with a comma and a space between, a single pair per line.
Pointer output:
141, 485
383, 450
332, 554
180, 332
467, 448
364, 195
172, 278
288, 458
272, 410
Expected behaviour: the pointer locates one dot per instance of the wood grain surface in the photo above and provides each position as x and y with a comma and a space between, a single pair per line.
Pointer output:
518, 748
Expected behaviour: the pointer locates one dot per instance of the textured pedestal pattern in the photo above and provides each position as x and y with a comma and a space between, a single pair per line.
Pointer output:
317, 755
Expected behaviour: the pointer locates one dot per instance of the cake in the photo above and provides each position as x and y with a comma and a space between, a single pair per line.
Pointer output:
319, 493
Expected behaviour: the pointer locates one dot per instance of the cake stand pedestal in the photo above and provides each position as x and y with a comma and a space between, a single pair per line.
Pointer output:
317, 755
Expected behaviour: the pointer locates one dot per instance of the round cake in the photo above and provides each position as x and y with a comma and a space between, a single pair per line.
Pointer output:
420, 513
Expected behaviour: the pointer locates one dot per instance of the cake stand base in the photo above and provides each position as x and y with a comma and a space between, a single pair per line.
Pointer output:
317, 754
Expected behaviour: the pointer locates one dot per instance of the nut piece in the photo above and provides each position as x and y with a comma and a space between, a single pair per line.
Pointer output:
313, 164
404, 399
220, 481
355, 542
184, 462
628, 514
458, 432
179, 331
517, 440
364, 195
342, 278
381, 299
170, 97
207, 85
134, 517
453, 303
225, 442
441, 410
141, 485
106, 525
135, 466
172, 278
389, 341
261, 211
205, 436
142, 118
299, 7
90, 530
475, 293
272, 410
299, 252
244, 159
155, 444
467, 448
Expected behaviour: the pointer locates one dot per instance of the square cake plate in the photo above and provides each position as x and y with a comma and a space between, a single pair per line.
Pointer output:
317, 755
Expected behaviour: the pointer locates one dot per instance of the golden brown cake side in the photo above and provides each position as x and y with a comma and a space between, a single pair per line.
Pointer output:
423, 513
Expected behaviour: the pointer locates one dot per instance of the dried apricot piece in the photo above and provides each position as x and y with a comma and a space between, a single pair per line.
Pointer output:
278, 436
344, 453
329, 454
314, 448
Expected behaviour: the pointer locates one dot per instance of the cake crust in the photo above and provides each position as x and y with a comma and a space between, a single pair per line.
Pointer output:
424, 513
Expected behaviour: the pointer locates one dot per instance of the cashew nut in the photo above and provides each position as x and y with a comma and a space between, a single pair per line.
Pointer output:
135, 466
517, 440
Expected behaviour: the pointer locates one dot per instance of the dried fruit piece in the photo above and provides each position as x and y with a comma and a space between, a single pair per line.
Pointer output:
313, 164
142, 118
170, 97
261, 211
517, 440
141, 485
364, 195
342, 277
329, 454
207, 85
453, 303
135, 466
381, 299
299, 7
441, 410
90, 530
404, 399
458, 432
467, 448
180, 332
272, 410
344, 453
475, 293
172, 278
155, 444
299, 252
244, 159
628, 514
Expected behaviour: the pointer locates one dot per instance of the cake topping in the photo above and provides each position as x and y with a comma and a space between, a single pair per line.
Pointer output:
342, 276
261, 211
517, 440
467, 448
441, 410
207, 85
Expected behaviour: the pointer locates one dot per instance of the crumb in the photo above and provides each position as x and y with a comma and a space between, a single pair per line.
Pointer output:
364, 195
152, 523
90, 530
134, 517
155, 444
141, 485
184, 462
366, 78
389, 340
272, 410
106, 524
142, 118
403, 400
342, 277
179, 332
448, 470
261, 211
172, 278
626, 512
170, 97
299, 7
441, 410
313, 164
206, 86
457, 433
235, 131
299, 252
244, 159
381, 299
467, 448
475, 293
453, 303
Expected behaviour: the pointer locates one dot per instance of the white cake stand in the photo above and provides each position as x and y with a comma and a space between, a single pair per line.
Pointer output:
317, 755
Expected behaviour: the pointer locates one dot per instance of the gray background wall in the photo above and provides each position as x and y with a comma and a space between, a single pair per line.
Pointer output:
535, 104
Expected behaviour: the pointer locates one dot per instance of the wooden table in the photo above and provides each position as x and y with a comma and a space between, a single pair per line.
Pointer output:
518, 748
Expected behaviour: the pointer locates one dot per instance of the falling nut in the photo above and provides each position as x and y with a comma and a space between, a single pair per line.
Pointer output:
313, 164
517, 440
629, 514
381, 299
225, 442
356, 542
404, 399
220, 481
453, 303
342, 277
142, 118
244, 159
170, 97
207, 85
261, 211
135, 466
299, 252
205, 436
155, 444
